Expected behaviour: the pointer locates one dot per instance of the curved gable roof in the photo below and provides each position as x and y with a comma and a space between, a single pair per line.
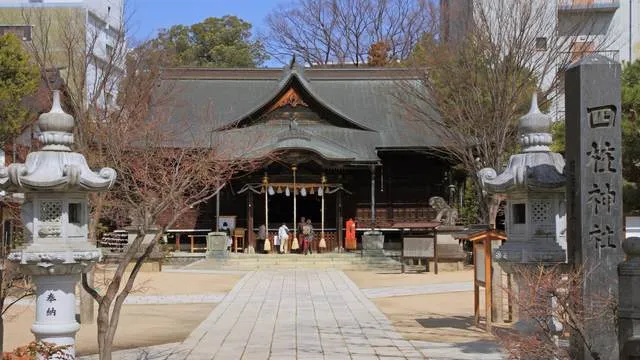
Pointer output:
365, 99
292, 79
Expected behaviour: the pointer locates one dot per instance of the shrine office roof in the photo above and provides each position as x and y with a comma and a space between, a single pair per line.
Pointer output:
360, 109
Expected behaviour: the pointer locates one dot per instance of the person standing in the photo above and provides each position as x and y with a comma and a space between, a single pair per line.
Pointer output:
262, 235
307, 233
300, 239
283, 235
350, 238
225, 228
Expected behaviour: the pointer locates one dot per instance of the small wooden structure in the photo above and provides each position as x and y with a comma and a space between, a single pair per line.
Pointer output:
482, 268
419, 240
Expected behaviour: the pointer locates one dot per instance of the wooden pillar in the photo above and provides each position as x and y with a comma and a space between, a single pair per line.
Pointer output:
217, 227
435, 251
295, 209
373, 197
250, 233
476, 287
322, 214
339, 219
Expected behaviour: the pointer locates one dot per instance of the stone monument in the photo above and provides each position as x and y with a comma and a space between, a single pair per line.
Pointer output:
534, 186
55, 182
594, 203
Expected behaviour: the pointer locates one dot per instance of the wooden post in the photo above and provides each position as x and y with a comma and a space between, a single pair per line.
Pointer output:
252, 238
373, 197
476, 287
265, 186
487, 283
435, 250
324, 180
177, 241
339, 219
295, 209
217, 227
192, 244
402, 250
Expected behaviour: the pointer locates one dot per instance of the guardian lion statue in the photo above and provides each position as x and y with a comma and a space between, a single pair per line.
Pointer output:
446, 214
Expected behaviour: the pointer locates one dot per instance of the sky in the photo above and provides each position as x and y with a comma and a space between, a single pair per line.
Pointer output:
147, 16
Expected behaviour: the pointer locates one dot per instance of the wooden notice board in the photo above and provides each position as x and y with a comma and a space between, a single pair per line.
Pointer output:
482, 269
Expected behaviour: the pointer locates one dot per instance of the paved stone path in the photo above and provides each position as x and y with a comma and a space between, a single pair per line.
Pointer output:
295, 315
418, 289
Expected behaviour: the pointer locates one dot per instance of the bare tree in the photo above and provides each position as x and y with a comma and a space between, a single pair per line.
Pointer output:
134, 133
342, 31
166, 166
550, 306
91, 56
472, 89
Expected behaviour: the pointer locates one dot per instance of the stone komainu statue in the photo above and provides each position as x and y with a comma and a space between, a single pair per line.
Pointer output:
446, 214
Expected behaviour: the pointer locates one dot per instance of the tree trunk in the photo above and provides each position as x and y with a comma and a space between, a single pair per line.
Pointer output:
1, 334
104, 348
87, 301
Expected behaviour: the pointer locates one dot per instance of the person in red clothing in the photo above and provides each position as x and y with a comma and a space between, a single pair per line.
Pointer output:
350, 238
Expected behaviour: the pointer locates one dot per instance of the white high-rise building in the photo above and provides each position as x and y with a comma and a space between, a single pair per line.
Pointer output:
616, 20
101, 22
607, 27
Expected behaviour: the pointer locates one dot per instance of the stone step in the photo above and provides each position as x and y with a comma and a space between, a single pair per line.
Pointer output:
341, 261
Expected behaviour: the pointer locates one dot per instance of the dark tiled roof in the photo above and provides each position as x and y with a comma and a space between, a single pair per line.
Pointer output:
365, 97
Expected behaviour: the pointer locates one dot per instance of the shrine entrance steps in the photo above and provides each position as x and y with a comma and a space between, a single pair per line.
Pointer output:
339, 261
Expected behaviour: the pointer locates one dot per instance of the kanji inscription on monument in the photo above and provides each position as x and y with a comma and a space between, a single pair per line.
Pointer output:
594, 196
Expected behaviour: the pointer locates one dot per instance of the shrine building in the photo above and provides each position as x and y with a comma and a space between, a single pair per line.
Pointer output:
343, 144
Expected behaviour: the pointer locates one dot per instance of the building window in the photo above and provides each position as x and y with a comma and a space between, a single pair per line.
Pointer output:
21, 31
109, 51
519, 213
75, 213
541, 44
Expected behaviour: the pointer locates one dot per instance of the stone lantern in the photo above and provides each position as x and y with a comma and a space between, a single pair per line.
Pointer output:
534, 186
55, 182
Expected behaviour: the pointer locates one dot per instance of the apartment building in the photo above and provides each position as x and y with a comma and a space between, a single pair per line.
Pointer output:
608, 27
65, 32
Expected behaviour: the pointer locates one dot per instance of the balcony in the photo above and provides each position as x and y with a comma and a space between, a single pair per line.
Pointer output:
573, 6
575, 56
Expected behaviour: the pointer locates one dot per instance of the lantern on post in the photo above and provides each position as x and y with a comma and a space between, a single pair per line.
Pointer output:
534, 186
56, 182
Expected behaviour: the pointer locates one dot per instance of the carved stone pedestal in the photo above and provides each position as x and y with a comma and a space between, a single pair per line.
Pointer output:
373, 243
56, 310
217, 245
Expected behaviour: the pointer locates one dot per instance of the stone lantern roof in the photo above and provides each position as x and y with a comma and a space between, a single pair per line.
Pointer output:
55, 168
536, 167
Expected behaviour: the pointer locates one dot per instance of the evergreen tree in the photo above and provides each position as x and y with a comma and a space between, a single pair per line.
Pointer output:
18, 78
214, 42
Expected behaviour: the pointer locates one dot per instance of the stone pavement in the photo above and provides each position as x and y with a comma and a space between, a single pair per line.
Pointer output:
418, 289
295, 315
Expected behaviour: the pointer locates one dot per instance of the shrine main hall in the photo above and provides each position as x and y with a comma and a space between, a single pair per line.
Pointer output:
342, 146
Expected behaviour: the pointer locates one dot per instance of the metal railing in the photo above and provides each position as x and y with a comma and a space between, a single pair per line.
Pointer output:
584, 5
574, 56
